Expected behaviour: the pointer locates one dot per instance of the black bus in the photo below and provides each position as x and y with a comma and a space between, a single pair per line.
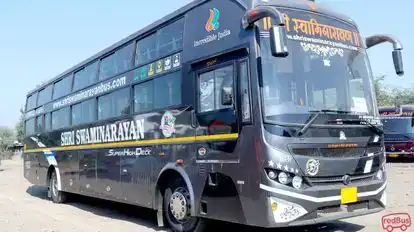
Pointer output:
398, 124
254, 112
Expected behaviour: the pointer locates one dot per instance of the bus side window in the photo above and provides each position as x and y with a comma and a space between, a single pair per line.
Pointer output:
245, 92
210, 84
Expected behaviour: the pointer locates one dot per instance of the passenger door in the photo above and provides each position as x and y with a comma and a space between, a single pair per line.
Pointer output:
218, 124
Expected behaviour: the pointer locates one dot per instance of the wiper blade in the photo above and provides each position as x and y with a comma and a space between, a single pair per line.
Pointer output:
360, 120
330, 111
318, 112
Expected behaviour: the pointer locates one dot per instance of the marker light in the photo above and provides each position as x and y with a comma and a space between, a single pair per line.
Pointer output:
379, 175
283, 178
297, 182
376, 139
272, 175
253, 13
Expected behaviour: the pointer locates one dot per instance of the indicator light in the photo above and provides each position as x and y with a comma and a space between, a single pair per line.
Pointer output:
274, 206
297, 182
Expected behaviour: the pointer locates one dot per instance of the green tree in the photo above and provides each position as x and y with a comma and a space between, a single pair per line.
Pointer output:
6, 137
19, 128
391, 96
384, 96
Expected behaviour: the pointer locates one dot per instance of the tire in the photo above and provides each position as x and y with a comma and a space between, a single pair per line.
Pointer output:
56, 195
188, 224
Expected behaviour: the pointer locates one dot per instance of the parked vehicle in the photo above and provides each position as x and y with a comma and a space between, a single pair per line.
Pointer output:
399, 130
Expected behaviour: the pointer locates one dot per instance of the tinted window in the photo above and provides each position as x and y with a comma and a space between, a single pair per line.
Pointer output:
39, 124
60, 118
245, 92
144, 96
62, 87
85, 76
210, 85
83, 112
48, 122
170, 38
116, 63
146, 49
45, 95
31, 102
114, 104
166, 40
167, 90
29, 126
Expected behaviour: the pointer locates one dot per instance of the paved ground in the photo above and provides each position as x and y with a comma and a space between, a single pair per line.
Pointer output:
24, 208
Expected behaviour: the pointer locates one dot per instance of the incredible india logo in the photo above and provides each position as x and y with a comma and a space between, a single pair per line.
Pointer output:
212, 22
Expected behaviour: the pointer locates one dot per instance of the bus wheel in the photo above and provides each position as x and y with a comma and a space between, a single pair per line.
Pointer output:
177, 209
57, 196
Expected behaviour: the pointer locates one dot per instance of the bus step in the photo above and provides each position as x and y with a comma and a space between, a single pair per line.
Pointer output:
203, 208
212, 179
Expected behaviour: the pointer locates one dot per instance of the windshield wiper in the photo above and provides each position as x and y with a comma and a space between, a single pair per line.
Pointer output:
360, 120
318, 112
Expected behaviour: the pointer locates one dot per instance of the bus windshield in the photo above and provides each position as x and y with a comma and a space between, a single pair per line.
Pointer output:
401, 125
322, 71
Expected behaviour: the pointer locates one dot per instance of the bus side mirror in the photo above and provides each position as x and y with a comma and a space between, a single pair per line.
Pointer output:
374, 40
278, 41
398, 62
226, 96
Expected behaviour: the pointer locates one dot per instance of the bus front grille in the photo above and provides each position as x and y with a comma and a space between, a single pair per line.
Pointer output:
335, 152
339, 179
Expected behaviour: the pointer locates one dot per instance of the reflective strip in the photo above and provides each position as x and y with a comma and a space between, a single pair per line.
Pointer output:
139, 142
217, 161
318, 199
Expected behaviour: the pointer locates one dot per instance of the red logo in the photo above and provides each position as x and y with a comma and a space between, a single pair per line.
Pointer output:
396, 221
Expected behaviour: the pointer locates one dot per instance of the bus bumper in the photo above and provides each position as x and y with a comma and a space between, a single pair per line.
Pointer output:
400, 154
295, 209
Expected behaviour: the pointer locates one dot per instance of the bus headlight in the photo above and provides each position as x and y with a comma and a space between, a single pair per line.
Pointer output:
283, 178
272, 175
297, 182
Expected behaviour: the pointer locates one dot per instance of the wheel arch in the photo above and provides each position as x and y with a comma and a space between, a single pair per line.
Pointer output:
50, 170
171, 170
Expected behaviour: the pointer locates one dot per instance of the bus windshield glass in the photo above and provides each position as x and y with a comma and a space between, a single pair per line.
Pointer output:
403, 125
326, 68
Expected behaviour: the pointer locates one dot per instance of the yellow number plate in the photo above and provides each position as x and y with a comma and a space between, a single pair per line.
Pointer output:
393, 155
349, 195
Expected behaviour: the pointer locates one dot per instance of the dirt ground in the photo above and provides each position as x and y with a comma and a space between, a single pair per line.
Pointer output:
25, 208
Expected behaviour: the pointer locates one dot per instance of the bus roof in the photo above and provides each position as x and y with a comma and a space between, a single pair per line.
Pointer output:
248, 4
407, 107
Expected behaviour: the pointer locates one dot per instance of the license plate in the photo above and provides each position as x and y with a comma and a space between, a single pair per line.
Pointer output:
349, 195
394, 155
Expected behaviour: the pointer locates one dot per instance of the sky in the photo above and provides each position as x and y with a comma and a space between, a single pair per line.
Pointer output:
41, 39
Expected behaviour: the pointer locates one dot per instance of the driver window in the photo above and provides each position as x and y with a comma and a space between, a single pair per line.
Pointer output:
210, 85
